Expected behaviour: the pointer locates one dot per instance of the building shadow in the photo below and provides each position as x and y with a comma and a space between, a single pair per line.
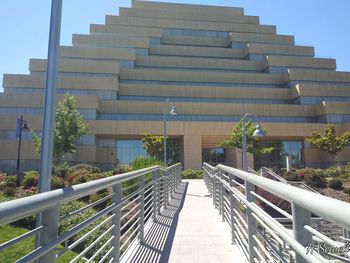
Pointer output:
160, 235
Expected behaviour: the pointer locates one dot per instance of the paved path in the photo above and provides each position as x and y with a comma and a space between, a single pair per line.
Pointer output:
188, 231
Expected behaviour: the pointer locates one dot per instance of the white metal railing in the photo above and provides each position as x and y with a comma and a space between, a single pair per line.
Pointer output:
238, 196
268, 173
128, 202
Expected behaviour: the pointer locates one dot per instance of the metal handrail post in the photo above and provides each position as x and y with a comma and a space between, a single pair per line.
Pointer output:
249, 187
222, 212
214, 191
301, 217
49, 220
158, 193
142, 207
171, 179
154, 192
211, 180
232, 206
117, 197
174, 181
166, 189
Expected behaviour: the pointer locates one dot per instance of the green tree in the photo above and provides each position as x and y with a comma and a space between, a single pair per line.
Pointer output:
153, 144
253, 145
329, 142
70, 126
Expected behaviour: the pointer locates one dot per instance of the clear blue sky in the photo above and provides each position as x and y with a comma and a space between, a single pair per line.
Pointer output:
24, 25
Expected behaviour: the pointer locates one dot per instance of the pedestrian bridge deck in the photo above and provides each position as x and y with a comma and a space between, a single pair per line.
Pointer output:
188, 230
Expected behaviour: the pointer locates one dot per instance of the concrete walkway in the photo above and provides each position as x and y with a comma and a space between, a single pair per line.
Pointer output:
189, 230
201, 236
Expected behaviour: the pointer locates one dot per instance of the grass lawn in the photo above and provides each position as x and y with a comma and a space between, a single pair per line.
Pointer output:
22, 248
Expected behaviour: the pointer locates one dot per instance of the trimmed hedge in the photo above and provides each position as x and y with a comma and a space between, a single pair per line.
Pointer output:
192, 174
335, 184
347, 191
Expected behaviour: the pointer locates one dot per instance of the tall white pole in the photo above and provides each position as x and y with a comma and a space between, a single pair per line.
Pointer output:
50, 97
244, 149
164, 135
50, 218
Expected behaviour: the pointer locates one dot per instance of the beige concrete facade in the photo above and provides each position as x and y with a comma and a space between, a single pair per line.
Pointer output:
215, 63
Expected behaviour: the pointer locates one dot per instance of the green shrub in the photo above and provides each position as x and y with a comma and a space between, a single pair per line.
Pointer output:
336, 171
9, 191
309, 171
61, 170
31, 178
57, 182
10, 181
336, 184
85, 167
2, 181
315, 180
121, 170
347, 190
67, 224
4, 198
344, 177
192, 174
292, 176
78, 179
140, 163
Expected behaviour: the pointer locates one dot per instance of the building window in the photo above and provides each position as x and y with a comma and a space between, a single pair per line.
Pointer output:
129, 150
277, 158
214, 156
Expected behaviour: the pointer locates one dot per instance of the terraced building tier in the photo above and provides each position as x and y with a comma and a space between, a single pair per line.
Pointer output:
214, 63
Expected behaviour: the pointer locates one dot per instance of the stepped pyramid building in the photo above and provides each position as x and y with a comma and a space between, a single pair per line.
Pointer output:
214, 63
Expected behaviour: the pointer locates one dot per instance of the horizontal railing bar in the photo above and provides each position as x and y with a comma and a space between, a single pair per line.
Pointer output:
287, 220
17, 209
100, 249
131, 195
260, 256
127, 223
86, 207
130, 236
148, 201
130, 186
261, 246
241, 247
241, 231
20, 238
244, 230
129, 212
339, 257
274, 224
272, 205
148, 209
323, 237
131, 202
274, 250
77, 242
318, 204
241, 218
243, 242
92, 244
66, 235
106, 255
272, 233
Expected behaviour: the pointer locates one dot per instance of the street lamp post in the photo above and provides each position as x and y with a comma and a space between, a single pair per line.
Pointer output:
21, 125
257, 133
249, 187
172, 112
